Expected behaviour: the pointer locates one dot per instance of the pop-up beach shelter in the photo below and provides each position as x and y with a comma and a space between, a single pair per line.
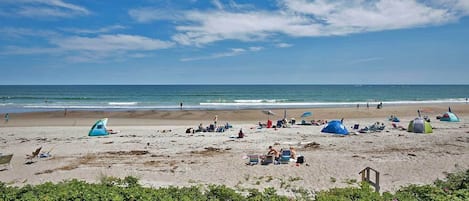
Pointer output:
336, 127
419, 125
99, 128
449, 116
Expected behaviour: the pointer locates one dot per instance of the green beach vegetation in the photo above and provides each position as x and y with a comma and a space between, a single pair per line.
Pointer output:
454, 187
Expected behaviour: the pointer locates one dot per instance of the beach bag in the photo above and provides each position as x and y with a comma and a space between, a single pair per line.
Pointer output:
300, 159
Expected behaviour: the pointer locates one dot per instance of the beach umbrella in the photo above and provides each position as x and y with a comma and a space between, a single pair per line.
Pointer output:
268, 113
306, 114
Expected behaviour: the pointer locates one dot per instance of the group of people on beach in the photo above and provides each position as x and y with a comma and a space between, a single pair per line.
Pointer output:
379, 106
274, 152
210, 128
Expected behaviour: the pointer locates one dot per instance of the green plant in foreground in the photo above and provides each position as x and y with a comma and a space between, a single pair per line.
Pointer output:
350, 181
364, 192
292, 179
454, 188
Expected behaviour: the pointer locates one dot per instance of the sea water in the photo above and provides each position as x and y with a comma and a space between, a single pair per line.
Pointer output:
26, 98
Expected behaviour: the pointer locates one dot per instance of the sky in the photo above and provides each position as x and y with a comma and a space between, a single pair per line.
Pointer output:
234, 42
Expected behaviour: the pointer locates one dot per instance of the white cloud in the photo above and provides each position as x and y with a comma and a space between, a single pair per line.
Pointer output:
255, 49
108, 47
106, 29
235, 5
14, 32
149, 14
283, 45
365, 60
217, 4
302, 18
318, 7
15, 50
43, 8
94, 49
105, 43
61, 4
231, 53
214, 26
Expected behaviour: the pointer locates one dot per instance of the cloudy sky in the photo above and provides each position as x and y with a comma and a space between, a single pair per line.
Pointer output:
234, 42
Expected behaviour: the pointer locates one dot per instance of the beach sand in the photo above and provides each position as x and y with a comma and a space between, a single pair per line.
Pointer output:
153, 146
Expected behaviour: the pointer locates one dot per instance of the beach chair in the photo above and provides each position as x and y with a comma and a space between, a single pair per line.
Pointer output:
253, 159
267, 159
5, 161
33, 155
285, 155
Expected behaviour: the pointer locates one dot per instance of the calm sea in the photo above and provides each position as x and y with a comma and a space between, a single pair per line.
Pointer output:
24, 98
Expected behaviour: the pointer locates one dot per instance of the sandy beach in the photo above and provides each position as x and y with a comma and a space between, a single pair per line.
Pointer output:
153, 146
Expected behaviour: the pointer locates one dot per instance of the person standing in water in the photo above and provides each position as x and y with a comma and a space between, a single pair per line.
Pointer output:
180, 106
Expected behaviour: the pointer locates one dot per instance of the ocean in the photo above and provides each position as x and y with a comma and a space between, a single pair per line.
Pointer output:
28, 98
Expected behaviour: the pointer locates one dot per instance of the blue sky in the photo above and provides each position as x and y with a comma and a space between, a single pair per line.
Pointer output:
234, 42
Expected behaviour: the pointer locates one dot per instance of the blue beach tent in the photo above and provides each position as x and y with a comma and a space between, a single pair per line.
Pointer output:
449, 116
99, 128
336, 127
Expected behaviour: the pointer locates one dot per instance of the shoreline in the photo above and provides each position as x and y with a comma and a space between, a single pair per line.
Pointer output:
221, 106
190, 117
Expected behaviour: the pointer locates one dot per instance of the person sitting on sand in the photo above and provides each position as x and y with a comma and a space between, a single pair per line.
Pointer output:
261, 125
200, 128
292, 153
273, 152
240, 134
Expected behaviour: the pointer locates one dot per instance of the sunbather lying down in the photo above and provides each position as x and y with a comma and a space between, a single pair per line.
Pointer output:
318, 122
376, 127
397, 126
112, 131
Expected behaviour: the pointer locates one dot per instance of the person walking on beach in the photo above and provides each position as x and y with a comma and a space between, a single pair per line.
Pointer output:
367, 105
180, 105
7, 117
